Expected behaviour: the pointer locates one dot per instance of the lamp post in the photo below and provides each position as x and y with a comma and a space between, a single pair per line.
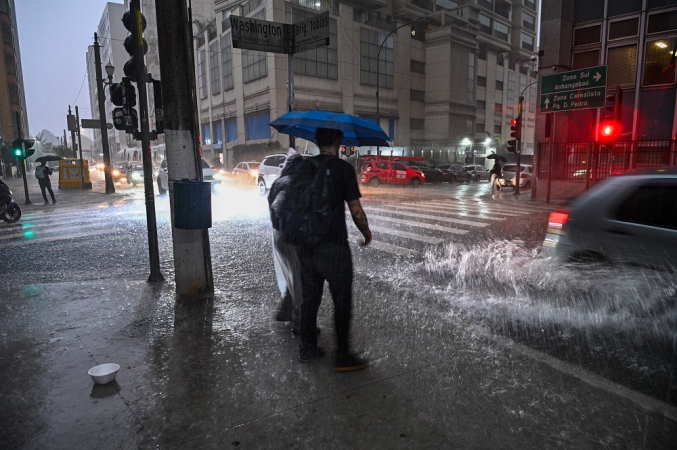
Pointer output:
378, 74
110, 69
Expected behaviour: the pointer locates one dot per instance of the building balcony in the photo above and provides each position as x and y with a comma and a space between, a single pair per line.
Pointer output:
367, 5
406, 10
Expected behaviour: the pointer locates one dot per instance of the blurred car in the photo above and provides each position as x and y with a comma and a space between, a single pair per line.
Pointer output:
454, 172
208, 174
510, 172
375, 173
478, 172
269, 170
248, 171
119, 172
432, 173
628, 218
135, 174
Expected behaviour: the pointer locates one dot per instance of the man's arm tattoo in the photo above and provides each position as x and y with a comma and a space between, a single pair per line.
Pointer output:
359, 217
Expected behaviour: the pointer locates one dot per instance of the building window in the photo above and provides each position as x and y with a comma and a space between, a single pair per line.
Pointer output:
499, 85
511, 88
227, 60
417, 124
531, 4
321, 62
483, 52
214, 75
532, 98
498, 129
231, 130
511, 64
588, 10
658, 3
499, 59
218, 135
501, 30
619, 7
656, 113
622, 66
254, 65
257, 126
471, 78
662, 22
416, 96
485, 24
479, 127
498, 108
445, 4
206, 134
481, 105
201, 74
587, 35
527, 42
417, 66
623, 28
528, 21
585, 59
659, 62
370, 41
481, 81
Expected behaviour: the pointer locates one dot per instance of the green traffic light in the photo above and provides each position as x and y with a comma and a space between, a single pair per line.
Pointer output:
18, 152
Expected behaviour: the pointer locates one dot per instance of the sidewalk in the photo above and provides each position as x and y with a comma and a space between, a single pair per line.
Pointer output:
220, 373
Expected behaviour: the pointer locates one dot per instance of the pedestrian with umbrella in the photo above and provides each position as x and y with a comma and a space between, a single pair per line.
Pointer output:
42, 173
496, 171
325, 257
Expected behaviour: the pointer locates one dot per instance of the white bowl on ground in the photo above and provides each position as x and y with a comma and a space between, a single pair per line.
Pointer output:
104, 373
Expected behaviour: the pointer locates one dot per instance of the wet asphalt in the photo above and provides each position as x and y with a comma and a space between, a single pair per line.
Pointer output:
218, 371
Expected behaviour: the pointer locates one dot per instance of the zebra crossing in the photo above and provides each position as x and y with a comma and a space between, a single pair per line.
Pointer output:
405, 228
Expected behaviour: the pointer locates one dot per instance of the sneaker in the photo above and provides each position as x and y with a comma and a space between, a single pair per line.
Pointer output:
348, 363
308, 355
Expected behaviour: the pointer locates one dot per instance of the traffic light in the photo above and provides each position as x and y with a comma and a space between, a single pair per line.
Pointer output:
135, 44
608, 131
28, 145
18, 149
515, 127
614, 103
123, 94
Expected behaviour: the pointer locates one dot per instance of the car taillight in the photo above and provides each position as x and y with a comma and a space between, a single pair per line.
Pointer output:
558, 220
368, 169
524, 175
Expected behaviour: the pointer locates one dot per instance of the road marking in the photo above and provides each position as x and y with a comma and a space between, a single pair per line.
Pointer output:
428, 216
508, 205
393, 249
429, 226
445, 210
55, 230
416, 237
55, 238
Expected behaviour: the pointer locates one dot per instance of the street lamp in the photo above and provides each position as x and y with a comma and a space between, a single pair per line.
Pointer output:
378, 74
110, 70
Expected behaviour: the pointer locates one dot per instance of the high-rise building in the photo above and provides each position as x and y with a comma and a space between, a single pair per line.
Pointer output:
449, 82
13, 115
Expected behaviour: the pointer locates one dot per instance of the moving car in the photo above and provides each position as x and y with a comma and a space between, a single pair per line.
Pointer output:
269, 170
432, 173
375, 173
454, 172
119, 172
248, 171
478, 172
208, 175
628, 218
135, 174
510, 171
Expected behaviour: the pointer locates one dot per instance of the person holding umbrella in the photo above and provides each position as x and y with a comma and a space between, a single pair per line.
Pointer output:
42, 173
496, 171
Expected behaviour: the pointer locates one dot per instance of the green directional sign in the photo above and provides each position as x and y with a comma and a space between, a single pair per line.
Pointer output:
576, 89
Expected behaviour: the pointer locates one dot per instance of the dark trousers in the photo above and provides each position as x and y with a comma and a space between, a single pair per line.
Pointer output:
333, 263
46, 184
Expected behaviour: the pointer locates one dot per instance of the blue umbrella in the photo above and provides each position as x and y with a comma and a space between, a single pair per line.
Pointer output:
357, 132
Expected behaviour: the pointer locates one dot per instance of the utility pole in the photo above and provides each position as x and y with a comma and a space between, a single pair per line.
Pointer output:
71, 128
24, 166
85, 185
110, 187
518, 148
192, 254
65, 140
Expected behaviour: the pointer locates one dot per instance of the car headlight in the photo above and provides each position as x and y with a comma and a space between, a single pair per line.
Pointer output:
254, 172
218, 176
116, 172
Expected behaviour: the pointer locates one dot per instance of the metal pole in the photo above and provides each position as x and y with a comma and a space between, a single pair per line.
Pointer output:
290, 86
518, 145
110, 186
192, 254
153, 250
85, 185
65, 140
23, 160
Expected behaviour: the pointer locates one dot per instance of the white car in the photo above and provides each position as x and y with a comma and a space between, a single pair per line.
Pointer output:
208, 174
248, 171
627, 219
510, 171
269, 170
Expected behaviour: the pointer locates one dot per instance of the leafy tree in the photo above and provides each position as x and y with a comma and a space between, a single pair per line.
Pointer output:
62, 150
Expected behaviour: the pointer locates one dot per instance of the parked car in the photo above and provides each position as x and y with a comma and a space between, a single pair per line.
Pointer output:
478, 172
375, 173
454, 172
269, 170
248, 171
627, 219
208, 175
510, 171
432, 173
135, 174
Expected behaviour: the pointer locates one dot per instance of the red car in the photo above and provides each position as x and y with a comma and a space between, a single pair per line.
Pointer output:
389, 172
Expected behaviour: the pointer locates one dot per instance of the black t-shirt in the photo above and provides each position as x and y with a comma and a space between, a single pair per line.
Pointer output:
342, 188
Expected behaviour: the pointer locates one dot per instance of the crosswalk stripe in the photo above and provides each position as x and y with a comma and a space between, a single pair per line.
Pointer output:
393, 249
446, 210
404, 234
514, 207
55, 238
55, 230
409, 223
428, 216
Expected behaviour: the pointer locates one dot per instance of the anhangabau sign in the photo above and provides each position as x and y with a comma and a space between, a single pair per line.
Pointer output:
577, 89
276, 37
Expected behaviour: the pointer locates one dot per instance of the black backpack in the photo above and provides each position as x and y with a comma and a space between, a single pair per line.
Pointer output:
301, 201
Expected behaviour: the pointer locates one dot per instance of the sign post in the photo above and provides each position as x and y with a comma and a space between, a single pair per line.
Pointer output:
574, 90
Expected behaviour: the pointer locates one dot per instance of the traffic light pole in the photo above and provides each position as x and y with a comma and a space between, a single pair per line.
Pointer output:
153, 250
23, 159
192, 254
518, 146
110, 187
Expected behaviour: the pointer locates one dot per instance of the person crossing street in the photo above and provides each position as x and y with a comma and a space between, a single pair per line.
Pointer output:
42, 173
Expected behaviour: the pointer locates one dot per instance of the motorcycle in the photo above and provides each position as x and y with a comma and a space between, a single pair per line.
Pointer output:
9, 210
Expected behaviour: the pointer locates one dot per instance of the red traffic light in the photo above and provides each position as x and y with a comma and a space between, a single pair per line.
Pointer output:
608, 131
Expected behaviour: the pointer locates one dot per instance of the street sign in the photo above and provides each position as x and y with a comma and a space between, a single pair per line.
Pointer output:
94, 123
574, 90
262, 35
311, 33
